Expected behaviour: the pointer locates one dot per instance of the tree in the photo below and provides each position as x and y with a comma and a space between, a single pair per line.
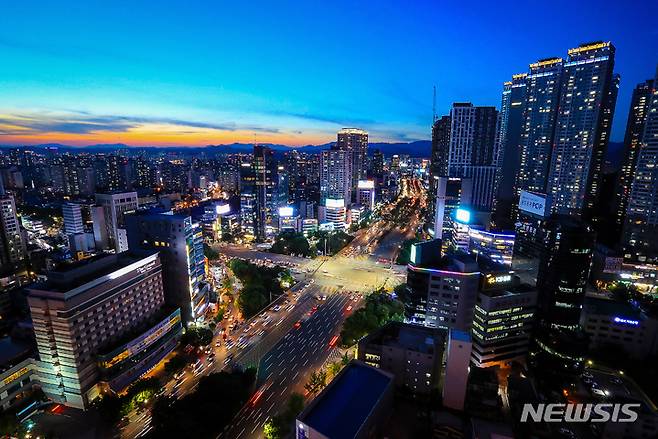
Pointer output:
197, 336
279, 425
251, 300
334, 368
176, 364
202, 413
291, 243
272, 429
210, 253
405, 252
317, 381
380, 308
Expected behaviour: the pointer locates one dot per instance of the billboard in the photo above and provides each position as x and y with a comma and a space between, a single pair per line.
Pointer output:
334, 202
221, 209
366, 184
463, 216
285, 211
533, 203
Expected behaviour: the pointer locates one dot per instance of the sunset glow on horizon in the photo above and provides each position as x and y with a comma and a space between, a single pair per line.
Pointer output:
194, 74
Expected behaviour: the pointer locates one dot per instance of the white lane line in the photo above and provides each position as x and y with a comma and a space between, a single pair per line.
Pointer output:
295, 376
284, 390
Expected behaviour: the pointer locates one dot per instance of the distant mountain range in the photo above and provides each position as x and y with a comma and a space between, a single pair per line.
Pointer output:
420, 148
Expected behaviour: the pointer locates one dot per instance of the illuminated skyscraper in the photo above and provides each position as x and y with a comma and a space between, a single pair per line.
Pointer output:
536, 137
336, 175
12, 243
180, 243
511, 123
355, 141
588, 94
258, 198
641, 229
637, 117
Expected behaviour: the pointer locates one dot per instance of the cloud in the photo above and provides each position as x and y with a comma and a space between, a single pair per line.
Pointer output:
86, 123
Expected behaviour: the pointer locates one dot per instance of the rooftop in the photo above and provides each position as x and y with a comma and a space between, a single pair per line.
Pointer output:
605, 306
411, 337
68, 277
342, 407
464, 263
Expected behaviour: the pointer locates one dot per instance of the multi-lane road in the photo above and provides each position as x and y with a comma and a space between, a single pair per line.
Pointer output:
288, 365
289, 344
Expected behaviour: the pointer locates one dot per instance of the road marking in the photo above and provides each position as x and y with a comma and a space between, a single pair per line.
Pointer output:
284, 390
295, 376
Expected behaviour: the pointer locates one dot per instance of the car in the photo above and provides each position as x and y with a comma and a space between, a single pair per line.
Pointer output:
298, 324
349, 308
323, 297
276, 308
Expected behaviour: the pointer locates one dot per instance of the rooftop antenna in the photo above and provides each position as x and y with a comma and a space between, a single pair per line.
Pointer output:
434, 106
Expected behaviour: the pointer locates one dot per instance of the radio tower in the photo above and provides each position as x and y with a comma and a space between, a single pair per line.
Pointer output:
434, 106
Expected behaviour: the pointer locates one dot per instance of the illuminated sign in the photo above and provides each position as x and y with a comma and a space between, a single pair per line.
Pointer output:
366, 184
334, 202
143, 341
625, 321
222, 209
285, 211
413, 256
492, 280
593, 46
463, 216
532, 203
16, 375
545, 62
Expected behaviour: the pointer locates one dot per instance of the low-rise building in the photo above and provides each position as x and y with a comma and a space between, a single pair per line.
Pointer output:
412, 353
355, 405
609, 322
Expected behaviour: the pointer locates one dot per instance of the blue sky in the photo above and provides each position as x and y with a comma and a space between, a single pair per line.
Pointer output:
201, 72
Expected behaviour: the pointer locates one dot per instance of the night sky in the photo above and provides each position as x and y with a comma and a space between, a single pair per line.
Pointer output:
209, 72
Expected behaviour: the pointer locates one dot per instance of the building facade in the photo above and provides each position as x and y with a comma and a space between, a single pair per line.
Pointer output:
81, 311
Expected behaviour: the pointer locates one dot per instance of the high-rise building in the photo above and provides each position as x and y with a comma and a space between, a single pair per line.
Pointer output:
258, 194
336, 175
82, 315
502, 324
564, 270
466, 145
511, 125
472, 137
115, 206
13, 248
588, 94
72, 214
450, 193
641, 225
355, 141
633, 138
180, 243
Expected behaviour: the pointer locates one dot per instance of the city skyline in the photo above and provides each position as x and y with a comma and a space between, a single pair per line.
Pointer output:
197, 75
